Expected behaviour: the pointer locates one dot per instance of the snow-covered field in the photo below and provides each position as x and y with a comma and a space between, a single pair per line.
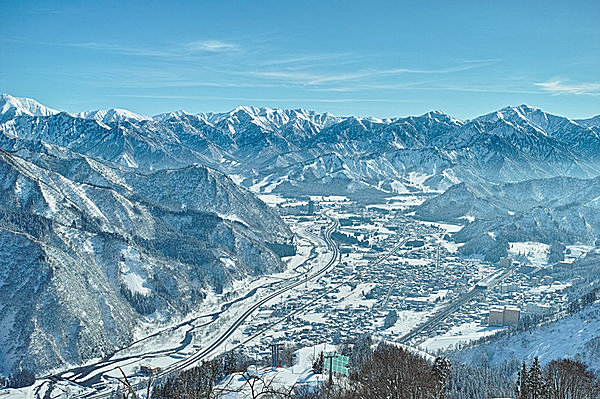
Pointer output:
535, 252
463, 333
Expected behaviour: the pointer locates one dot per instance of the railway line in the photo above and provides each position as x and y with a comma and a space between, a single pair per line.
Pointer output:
453, 306
225, 335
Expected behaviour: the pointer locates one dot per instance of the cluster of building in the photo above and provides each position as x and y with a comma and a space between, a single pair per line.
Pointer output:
419, 278
535, 296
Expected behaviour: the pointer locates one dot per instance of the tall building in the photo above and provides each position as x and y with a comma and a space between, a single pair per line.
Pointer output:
496, 317
506, 316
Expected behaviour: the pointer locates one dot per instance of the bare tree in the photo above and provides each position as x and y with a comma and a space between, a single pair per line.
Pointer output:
396, 373
259, 385
570, 379
129, 389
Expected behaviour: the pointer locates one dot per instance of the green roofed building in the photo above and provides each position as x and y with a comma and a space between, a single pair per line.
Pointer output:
338, 363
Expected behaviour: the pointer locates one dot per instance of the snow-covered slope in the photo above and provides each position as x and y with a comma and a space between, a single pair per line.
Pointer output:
576, 336
11, 107
112, 115
590, 122
559, 209
91, 253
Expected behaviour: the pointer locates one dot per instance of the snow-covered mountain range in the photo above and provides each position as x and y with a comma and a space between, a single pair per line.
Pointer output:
299, 152
113, 216
292, 151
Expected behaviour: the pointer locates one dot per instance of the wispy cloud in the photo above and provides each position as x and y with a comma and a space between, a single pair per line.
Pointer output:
427, 86
42, 10
318, 78
266, 99
174, 50
557, 87
177, 50
208, 45
119, 49
303, 61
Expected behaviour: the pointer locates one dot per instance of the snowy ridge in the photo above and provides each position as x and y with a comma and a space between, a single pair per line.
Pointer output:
11, 107
112, 115
360, 154
590, 122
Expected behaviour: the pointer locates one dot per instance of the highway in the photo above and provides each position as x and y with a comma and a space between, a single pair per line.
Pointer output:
222, 338
212, 347
239, 321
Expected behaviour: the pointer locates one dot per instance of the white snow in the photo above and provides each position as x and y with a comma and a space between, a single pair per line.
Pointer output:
132, 268
535, 252
568, 337
271, 199
112, 115
23, 106
458, 334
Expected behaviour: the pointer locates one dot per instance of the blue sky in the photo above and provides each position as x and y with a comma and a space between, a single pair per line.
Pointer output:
369, 58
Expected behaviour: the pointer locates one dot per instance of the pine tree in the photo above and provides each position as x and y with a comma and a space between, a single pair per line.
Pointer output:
536, 382
318, 364
522, 383
441, 370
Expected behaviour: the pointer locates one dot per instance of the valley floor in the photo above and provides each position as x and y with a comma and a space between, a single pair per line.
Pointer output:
388, 262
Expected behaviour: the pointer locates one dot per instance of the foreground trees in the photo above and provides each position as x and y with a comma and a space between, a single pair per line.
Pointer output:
201, 382
393, 372
560, 379
386, 372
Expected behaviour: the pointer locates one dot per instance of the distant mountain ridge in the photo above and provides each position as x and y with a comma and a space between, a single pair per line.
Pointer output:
11, 107
289, 150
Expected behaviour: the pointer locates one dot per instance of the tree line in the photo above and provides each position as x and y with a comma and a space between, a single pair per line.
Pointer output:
560, 379
386, 371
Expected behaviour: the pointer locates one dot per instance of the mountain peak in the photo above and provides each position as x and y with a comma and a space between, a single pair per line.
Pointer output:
112, 115
11, 107
433, 114
247, 109
438, 116
523, 112
170, 115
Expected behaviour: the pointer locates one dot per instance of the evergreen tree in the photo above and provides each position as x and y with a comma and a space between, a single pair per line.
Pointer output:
522, 383
361, 352
535, 381
318, 364
441, 370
